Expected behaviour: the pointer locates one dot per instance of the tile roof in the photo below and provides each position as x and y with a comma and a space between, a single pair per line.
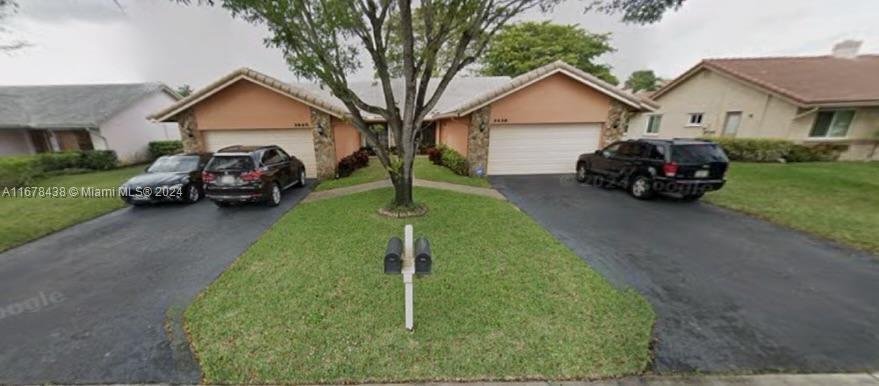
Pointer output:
463, 93
811, 80
69, 106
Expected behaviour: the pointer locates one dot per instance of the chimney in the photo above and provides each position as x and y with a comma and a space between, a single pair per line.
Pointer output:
847, 49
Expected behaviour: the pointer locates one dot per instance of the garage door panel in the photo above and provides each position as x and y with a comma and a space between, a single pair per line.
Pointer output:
296, 142
539, 149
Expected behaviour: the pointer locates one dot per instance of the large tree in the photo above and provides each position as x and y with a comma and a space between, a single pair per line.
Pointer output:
643, 80
7, 8
522, 47
322, 40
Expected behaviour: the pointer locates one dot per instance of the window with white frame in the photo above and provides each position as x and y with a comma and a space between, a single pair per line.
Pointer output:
832, 124
695, 119
653, 123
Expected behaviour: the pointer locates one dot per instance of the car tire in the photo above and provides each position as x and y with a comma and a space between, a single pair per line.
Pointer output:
641, 187
222, 204
301, 181
274, 195
192, 194
582, 172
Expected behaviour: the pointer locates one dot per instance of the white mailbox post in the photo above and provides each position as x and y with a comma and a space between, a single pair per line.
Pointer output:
408, 272
408, 257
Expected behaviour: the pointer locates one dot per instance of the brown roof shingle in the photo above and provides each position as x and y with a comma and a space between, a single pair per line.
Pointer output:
811, 80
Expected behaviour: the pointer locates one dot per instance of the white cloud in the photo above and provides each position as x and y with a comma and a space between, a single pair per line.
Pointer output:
82, 41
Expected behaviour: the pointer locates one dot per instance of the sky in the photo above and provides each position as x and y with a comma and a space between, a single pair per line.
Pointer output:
98, 41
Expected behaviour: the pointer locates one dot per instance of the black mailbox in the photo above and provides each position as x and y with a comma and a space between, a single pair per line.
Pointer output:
394, 256
423, 259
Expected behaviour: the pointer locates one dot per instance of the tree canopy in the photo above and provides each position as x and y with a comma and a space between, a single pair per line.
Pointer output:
643, 80
522, 47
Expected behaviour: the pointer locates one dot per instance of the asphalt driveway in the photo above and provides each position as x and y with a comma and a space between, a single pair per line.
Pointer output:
731, 293
102, 302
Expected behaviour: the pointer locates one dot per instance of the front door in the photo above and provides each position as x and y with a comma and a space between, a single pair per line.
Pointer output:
732, 122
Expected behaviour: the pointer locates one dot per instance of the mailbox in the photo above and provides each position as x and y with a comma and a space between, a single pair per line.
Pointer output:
423, 259
394, 256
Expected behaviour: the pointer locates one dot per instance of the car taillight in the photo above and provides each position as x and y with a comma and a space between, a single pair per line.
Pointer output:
670, 169
251, 176
207, 177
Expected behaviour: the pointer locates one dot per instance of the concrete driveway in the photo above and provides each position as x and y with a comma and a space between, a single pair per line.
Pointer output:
103, 300
732, 293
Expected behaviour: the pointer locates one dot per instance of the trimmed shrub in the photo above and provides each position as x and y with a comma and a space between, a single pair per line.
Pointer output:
160, 148
774, 150
435, 155
455, 161
48, 162
18, 171
350, 163
99, 160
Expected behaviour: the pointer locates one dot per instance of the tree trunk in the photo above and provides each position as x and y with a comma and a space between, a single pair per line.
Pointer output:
403, 181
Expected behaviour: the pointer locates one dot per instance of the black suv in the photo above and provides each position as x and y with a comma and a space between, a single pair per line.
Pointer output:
689, 167
251, 174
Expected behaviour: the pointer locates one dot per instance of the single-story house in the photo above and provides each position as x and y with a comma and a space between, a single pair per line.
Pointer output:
811, 100
36, 119
538, 122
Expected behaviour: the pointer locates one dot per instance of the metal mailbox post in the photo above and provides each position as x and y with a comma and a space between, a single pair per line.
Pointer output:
409, 258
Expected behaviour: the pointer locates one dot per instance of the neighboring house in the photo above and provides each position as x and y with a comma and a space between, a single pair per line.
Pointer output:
810, 100
536, 123
36, 119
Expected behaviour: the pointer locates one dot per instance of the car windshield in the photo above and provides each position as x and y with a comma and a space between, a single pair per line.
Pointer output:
689, 154
226, 163
174, 164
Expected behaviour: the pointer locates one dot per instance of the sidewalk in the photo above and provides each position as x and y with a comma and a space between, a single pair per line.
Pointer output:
339, 192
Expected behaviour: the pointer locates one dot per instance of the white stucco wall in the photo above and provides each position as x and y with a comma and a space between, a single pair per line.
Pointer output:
15, 142
129, 131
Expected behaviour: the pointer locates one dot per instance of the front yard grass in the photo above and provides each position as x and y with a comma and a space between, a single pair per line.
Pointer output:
25, 219
308, 302
836, 200
424, 169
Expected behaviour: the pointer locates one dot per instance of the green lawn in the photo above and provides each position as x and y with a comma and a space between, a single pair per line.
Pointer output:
839, 201
424, 169
308, 302
25, 219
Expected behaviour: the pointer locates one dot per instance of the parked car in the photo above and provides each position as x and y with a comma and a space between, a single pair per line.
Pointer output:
689, 167
168, 178
239, 174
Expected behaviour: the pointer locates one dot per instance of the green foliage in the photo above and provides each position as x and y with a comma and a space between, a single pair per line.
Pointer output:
522, 47
636, 11
184, 90
23, 170
160, 148
643, 80
773, 150
454, 161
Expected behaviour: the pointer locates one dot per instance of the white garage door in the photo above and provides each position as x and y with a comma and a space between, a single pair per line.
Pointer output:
539, 148
297, 142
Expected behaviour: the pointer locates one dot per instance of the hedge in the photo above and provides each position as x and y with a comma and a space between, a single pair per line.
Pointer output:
160, 148
22, 170
448, 157
350, 163
775, 150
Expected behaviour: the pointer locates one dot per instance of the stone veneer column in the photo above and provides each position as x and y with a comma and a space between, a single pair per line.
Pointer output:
189, 135
324, 146
477, 140
617, 120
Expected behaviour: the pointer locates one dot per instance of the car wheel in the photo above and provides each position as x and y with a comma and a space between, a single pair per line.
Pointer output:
692, 197
275, 196
192, 194
582, 172
641, 187
301, 178
221, 204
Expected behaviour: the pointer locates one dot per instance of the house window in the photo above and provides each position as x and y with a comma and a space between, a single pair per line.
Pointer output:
695, 119
653, 123
832, 124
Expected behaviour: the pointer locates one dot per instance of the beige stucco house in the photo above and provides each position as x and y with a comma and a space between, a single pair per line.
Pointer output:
809, 100
535, 123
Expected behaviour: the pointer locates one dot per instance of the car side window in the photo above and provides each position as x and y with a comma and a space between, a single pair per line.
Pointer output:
629, 149
282, 156
269, 157
611, 150
656, 153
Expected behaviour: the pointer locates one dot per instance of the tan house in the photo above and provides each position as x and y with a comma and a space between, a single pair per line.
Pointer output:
538, 122
809, 100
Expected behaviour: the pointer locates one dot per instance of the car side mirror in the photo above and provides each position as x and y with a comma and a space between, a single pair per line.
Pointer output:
599, 152
147, 168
